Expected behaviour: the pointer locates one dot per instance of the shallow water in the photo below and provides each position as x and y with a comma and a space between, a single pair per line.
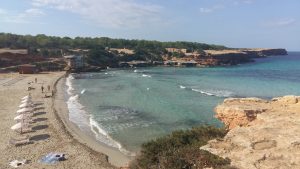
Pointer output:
125, 108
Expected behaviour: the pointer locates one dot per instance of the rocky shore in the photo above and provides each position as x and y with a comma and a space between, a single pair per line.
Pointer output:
262, 133
236, 56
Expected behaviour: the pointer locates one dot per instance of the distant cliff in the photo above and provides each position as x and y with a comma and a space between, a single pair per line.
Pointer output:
236, 56
263, 133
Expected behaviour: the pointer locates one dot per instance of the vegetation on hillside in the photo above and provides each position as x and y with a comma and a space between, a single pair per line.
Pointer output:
42, 41
98, 48
181, 150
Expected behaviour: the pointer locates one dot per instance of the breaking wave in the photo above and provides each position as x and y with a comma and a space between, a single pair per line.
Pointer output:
86, 122
217, 93
70, 88
144, 75
182, 87
104, 137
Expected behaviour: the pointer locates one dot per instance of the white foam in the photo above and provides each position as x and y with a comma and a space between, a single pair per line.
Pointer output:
83, 91
182, 87
218, 93
69, 84
144, 75
85, 121
77, 113
104, 137
135, 71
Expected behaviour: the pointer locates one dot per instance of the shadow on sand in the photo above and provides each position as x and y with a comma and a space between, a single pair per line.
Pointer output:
40, 119
40, 137
40, 127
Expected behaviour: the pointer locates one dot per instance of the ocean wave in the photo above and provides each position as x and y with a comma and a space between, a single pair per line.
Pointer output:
83, 91
138, 71
85, 121
144, 75
77, 114
182, 87
70, 88
217, 93
105, 138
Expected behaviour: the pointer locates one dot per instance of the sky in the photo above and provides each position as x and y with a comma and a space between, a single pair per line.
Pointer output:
233, 23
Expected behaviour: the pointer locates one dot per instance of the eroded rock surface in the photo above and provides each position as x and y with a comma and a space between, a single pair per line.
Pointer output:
263, 134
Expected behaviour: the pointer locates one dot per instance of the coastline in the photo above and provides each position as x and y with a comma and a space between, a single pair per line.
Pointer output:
114, 156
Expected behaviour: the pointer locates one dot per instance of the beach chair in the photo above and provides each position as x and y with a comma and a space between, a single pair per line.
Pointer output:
24, 129
20, 141
27, 120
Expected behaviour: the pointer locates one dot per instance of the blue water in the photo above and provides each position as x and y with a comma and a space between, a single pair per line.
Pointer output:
125, 108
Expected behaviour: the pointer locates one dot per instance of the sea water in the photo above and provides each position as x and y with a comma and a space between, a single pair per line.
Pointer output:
127, 107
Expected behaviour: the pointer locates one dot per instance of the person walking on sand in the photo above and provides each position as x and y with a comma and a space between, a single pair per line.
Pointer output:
42, 89
35, 80
48, 88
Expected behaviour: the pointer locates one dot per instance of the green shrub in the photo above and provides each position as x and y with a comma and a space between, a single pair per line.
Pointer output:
181, 150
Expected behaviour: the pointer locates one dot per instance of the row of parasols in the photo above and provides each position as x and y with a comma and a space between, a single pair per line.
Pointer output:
24, 115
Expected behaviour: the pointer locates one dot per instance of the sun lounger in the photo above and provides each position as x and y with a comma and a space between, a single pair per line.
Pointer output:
20, 141
23, 130
27, 120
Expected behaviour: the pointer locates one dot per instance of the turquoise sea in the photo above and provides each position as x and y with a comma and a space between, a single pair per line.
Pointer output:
126, 107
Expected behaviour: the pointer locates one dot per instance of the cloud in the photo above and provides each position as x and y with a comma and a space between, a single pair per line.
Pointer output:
211, 9
238, 2
34, 12
108, 13
26, 16
222, 4
280, 22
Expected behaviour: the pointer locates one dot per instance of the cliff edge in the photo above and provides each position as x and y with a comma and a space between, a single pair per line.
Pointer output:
262, 133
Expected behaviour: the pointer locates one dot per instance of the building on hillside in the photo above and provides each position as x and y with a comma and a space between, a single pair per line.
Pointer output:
28, 69
75, 61
124, 50
176, 50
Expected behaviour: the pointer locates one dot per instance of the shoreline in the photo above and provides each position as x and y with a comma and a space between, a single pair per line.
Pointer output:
114, 156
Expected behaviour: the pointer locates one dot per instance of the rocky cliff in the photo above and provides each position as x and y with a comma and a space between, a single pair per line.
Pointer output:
236, 56
262, 133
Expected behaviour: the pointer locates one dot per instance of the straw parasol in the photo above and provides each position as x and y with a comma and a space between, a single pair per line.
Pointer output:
26, 109
26, 100
22, 117
26, 104
16, 126
26, 97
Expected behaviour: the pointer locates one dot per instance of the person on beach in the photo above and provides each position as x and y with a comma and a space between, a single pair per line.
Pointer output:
42, 89
35, 79
48, 88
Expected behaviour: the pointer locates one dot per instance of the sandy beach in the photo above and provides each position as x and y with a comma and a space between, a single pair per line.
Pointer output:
49, 134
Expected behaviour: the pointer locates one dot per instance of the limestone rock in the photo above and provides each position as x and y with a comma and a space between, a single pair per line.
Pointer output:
287, 99
263, 134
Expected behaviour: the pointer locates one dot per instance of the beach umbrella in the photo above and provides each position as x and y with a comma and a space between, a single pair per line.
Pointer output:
21, 117
16, 126
26, 104
26, 97
26, 100
26, 109
30, 102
